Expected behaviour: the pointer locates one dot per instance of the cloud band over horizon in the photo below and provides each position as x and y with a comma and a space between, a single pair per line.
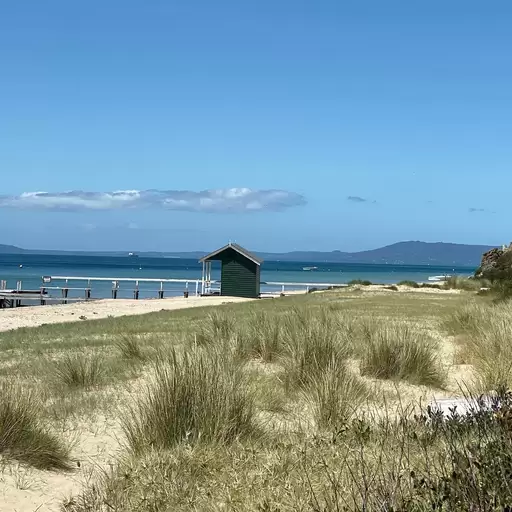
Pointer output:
228, 200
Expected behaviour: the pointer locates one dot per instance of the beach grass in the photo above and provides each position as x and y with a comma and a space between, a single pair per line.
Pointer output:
397, 351
297, 403
24, 436
193, 396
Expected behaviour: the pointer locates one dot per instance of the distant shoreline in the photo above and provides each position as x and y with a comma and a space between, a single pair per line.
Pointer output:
401, 253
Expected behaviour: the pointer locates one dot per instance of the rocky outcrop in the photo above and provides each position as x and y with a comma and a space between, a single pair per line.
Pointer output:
496, 264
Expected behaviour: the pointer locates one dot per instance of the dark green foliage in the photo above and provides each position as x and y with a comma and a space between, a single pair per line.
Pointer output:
360, 282
502, 289
428, 285
392, 288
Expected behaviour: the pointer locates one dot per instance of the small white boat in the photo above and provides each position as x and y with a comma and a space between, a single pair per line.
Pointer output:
439, 278
309, 268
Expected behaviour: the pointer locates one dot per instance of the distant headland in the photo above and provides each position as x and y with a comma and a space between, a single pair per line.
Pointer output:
401, 253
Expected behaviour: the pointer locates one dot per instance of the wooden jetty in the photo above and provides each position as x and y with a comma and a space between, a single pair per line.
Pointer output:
63, 289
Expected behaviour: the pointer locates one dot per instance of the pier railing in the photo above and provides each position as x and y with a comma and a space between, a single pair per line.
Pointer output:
160, 290
67, 291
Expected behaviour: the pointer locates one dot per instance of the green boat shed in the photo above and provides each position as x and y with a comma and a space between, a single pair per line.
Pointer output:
240, 272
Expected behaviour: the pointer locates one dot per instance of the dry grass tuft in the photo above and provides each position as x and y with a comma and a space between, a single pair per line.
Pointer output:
23, 434
335, 395
130, 348
195, 396
79, 370
395, 351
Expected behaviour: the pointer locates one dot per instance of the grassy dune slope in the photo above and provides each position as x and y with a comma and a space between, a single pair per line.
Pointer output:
299, 403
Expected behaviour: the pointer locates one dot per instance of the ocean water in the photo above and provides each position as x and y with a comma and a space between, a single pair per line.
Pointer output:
30, 268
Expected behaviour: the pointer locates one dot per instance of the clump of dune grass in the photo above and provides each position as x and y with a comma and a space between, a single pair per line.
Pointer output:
217, 327
261, 338
129, 347
489, 349
193, 396
396, 351
23, 434
335, 394
79, 370
312, 341
468, 318
464, 283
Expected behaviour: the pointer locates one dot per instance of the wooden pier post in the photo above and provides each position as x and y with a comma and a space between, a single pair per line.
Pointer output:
17, 303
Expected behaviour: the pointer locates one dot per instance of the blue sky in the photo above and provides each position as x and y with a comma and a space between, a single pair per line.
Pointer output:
283, 125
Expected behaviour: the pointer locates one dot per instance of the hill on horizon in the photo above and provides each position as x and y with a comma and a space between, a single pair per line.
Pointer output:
401, 253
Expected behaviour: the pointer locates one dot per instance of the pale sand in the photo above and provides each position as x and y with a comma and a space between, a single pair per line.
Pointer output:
34, 316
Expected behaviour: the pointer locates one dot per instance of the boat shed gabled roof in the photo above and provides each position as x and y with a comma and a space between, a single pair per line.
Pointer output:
213, 255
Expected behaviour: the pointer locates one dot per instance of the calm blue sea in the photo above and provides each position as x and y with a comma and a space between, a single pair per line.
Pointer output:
29, 268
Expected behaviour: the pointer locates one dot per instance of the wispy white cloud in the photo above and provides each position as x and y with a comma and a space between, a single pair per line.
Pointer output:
234, 200
357, 199
479, 210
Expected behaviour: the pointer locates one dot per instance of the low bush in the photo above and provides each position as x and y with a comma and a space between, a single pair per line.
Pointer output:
362, 282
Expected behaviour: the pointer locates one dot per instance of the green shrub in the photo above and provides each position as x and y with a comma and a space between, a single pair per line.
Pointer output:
395, 351
502, 289
23, 435
429, 285
195, 396
360, 282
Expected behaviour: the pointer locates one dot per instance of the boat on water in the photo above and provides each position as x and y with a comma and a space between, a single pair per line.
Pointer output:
439, 278
132, 255
309, 268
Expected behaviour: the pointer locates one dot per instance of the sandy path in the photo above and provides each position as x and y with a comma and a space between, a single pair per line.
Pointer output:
34, 316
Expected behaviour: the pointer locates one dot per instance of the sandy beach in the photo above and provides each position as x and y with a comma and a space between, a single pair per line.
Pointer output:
34, 316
